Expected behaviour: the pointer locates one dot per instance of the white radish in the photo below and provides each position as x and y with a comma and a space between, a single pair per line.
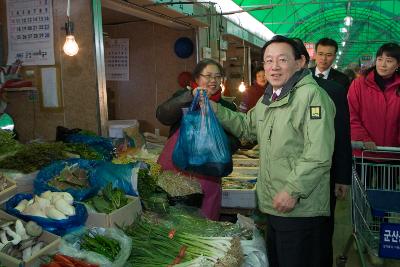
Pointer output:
62, 205
55, 214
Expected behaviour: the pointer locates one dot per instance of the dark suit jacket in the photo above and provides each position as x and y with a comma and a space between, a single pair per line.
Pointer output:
341, 169
336, 76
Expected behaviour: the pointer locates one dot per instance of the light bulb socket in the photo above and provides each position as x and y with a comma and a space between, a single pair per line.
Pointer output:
69, 27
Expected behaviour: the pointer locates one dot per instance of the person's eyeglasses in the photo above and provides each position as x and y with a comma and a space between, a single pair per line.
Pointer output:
209, 77
270, 62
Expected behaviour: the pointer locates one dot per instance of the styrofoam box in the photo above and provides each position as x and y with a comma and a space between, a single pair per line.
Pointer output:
115, 127
239, 198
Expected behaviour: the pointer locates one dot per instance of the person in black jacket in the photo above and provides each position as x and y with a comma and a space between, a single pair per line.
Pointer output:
326, 50
207, 75
341, 169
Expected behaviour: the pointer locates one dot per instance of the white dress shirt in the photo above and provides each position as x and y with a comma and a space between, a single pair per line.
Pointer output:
325, 73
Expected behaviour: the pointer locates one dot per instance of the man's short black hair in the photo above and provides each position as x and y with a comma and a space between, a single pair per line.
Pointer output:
303, 49
327, 42
282, 39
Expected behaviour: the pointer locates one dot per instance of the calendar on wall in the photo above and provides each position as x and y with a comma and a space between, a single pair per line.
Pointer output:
116, 53
30, 32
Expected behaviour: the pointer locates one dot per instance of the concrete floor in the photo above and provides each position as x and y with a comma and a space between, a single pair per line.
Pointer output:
343, 229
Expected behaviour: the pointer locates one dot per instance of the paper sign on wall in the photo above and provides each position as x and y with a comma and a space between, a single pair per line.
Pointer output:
117, 59
30, 32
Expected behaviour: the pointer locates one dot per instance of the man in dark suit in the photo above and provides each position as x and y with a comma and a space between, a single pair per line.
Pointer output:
326, 50
341, 169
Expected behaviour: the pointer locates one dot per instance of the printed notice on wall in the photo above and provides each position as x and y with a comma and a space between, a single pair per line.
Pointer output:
117, 59
30, 32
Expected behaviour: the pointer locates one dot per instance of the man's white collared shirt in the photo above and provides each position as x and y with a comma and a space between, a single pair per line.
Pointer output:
325, 73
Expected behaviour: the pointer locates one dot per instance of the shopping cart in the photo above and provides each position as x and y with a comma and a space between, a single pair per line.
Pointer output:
375, 208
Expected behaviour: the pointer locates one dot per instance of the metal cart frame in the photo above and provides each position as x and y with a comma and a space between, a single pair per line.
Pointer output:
371, 171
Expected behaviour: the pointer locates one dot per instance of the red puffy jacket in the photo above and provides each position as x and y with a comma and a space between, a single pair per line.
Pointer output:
375, 114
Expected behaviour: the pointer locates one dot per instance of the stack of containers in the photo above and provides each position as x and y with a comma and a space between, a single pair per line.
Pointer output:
245, 170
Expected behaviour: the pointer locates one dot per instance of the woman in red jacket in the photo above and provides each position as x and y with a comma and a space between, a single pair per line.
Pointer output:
374, 101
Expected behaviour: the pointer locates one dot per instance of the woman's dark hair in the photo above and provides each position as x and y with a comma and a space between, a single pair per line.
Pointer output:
391, 50
203, 64
257, 70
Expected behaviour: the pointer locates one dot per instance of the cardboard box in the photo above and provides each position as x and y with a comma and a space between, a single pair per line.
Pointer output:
9, 191
123, 216
24, 181
239, 198
52, 241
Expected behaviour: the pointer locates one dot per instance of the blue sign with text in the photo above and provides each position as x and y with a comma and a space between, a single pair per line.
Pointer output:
389, 241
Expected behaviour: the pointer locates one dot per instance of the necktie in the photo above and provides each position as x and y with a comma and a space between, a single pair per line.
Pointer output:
274, 97
321, 75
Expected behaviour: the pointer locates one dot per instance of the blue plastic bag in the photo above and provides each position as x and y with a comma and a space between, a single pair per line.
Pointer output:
123, 176
102, 145
202, 145
46, 174
58, 227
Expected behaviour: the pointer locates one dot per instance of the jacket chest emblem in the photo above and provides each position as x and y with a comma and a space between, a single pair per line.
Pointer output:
315, 112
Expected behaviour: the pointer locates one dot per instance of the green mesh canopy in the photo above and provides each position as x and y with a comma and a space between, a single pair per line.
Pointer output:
374, 22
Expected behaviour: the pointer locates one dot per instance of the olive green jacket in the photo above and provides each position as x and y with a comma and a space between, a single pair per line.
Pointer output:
296, 138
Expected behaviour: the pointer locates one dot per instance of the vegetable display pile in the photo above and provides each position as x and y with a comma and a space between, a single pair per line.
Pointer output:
147, 184
20, 241
100, 244
32, 157
176, 184
53, 205
182, 218
108, 200
237, 184
156, 245
7, 142
83, 150
70, 177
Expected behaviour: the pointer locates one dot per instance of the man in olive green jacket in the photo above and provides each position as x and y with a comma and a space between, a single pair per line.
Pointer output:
294, 126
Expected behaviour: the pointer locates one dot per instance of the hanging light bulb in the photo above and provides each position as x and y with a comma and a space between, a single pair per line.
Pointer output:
242, 87
222, 85
340, 52
348, 21
70, 47
343, 43
343, 30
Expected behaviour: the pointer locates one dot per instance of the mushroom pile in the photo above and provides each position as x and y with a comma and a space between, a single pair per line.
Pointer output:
20, 241
53, 205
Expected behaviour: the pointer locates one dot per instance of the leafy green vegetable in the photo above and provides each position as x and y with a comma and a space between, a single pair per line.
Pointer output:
70, 177
34, 156
147, 184
7, 142
101, 245
83, 150
108, 200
